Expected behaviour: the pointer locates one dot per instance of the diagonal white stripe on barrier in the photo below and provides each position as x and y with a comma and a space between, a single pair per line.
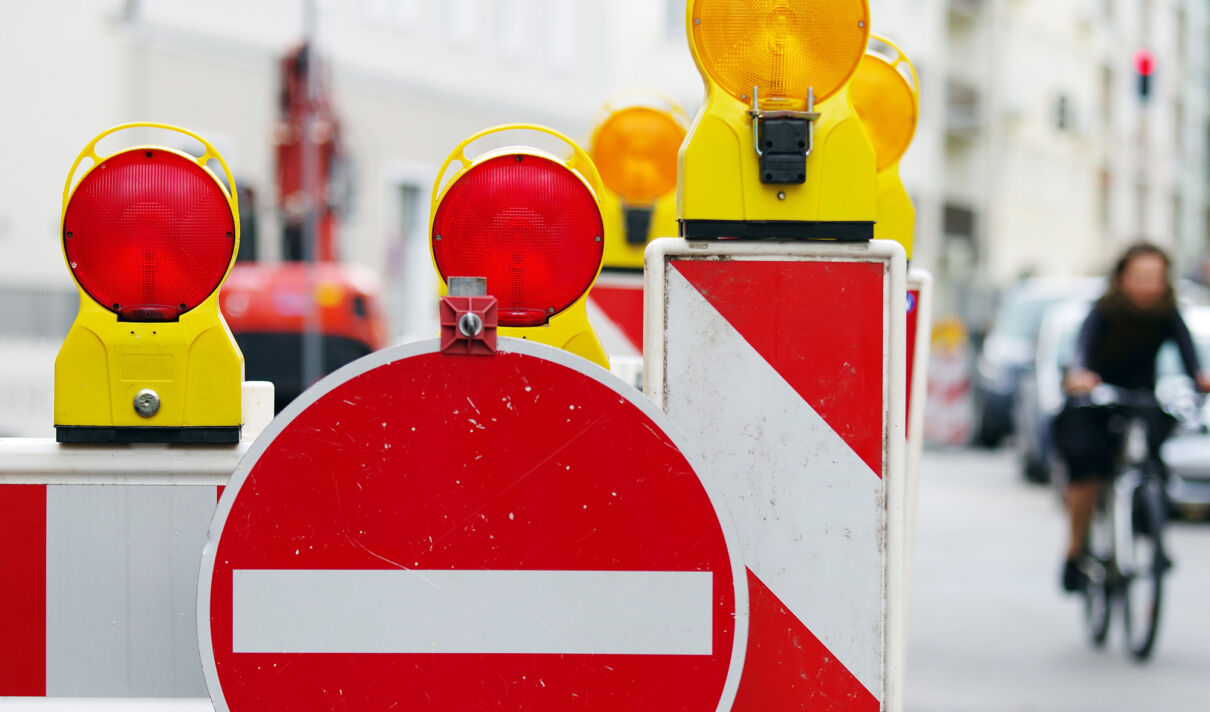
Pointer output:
813, 534
473, 611
612, 339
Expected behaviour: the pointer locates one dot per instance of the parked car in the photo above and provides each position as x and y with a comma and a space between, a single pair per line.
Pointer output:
1040, 393
1010, 345
1187, 452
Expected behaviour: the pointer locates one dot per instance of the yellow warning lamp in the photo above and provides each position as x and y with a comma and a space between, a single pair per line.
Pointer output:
886, 95
530, 223
635, 148
149, 234
762, 160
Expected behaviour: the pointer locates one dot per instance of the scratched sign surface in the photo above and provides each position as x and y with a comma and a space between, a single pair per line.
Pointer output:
434, 532
783, 364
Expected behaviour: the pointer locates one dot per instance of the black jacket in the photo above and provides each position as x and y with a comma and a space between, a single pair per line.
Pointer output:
1119, 343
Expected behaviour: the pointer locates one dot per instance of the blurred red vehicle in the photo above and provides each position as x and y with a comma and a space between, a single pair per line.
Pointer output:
269, 306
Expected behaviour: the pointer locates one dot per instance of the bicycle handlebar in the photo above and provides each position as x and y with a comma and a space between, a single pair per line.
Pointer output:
1107, 396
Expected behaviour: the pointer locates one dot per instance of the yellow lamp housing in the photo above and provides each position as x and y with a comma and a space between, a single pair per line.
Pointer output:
886, 94
149, 235
635, 147
530, 223
761, 159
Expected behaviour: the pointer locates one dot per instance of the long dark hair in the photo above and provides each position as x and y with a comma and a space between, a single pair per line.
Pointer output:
1113, 299
1138, 249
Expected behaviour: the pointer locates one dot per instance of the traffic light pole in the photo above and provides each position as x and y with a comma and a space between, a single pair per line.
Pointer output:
312, 348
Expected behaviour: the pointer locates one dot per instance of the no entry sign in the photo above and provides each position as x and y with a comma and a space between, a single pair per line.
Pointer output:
433, 532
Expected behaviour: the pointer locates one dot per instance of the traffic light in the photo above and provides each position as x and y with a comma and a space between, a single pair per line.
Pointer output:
635, 148
1144, 66
530, 223
149, 235
885, 93
762, 160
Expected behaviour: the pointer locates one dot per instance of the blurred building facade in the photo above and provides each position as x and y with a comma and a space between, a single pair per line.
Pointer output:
408, 78
1035, 153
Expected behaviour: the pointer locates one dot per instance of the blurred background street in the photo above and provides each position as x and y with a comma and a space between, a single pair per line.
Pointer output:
1038, 156
990, 630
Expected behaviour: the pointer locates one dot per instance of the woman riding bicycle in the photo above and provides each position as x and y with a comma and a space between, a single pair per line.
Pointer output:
1118, 344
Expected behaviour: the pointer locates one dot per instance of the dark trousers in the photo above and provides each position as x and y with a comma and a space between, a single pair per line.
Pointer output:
1089, 439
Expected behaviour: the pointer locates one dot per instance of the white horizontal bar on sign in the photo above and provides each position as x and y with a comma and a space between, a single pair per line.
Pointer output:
42, 461
104, 704
473, 611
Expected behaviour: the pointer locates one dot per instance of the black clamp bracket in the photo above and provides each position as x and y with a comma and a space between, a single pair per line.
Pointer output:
783, 140
638, 224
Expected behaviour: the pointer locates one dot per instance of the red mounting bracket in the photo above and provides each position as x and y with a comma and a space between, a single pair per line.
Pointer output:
468, 318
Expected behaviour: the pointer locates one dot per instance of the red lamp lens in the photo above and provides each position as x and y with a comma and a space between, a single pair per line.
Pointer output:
527, 224
148, 234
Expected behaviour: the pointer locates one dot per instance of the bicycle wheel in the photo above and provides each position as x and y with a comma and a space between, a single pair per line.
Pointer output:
1143, 582
1096, 604
1098, 591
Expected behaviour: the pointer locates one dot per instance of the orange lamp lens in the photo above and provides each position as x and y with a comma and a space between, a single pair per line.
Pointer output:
635, 150
886, 104
783, 47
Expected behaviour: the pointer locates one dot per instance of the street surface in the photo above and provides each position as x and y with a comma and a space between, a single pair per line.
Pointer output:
989, 628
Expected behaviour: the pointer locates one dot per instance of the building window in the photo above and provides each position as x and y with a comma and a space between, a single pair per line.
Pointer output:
1178, 219
674, 20
1178, 127
959, 258
517, 19
1207, 150
1140, 208
462, 19
1104, 198
563, 31
398, 13
1063, 113
1181, 49
1106, 97
407, 271
959, 221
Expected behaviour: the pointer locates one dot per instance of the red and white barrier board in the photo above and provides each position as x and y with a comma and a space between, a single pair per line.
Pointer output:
784, 364
919, 329
441, 532
615, 308
98, 568
99, 553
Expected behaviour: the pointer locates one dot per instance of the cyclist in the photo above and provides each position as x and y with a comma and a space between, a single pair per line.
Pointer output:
1117, 345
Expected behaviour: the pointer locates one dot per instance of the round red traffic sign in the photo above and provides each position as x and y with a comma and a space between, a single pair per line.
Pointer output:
434, 532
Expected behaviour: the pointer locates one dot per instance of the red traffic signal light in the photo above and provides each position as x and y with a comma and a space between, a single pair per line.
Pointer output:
1144, 65
1144, 62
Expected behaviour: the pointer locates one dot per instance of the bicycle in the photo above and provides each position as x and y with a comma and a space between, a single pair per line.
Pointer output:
1125, 560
